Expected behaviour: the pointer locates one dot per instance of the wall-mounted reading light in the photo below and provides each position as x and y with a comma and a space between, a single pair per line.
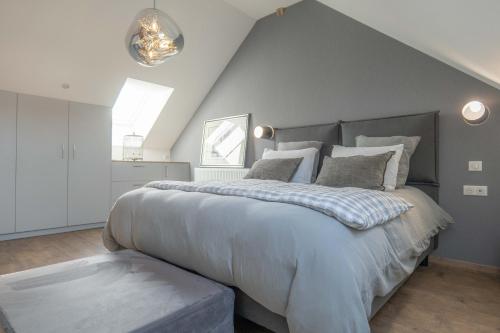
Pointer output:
475, 113
263, 132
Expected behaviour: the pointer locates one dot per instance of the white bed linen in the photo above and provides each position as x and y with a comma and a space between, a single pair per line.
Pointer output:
318, 273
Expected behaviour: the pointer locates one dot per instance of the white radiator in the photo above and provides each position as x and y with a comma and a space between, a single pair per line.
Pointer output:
219, 173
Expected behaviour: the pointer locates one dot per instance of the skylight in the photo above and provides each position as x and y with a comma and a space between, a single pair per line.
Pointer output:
137, 108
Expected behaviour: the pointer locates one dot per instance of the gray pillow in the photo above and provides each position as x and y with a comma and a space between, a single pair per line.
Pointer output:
354, 171
274, 169
296, 145
300, 145
410, 143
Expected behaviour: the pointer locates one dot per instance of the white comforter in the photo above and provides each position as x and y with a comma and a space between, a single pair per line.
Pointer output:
299, 263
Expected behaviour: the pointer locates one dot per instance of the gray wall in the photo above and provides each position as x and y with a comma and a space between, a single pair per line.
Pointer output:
315, 65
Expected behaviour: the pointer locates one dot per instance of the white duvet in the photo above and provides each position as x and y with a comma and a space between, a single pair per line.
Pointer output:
299, 263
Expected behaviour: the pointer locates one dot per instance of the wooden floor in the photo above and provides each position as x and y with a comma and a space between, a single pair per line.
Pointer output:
443, 297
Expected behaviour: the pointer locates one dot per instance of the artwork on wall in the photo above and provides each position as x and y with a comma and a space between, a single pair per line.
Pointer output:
224, 142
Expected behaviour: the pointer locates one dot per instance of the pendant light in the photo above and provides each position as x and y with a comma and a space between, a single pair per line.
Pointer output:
153, 37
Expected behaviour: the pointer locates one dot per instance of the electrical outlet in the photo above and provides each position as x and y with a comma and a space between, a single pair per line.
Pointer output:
482, 191
475, 165
475, 190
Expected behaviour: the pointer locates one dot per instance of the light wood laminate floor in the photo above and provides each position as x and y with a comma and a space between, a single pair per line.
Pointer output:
443, 297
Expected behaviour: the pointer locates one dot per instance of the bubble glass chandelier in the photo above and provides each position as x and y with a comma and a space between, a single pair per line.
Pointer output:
153, 37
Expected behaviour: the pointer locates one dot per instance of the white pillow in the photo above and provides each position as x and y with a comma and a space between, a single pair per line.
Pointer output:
391, 171
304, 173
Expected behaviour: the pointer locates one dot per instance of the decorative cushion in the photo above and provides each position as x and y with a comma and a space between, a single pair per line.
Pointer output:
354, 171
424, 162
296, 145
304, 173
391, 172
410, 144
281, 169
329, 134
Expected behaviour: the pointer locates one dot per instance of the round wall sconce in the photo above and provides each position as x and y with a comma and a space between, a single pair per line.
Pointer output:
263, 132
475, 113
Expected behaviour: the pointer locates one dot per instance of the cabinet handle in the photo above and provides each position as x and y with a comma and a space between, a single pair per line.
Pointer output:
137, 185
138, 166
74, 151
62, 151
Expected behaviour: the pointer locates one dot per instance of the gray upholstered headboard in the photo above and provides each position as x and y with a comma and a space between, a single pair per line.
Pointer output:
329, 134
424, 163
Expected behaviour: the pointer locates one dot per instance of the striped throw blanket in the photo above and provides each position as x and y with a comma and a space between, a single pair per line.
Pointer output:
355, 207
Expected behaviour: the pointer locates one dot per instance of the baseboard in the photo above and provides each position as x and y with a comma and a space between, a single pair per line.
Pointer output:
27, 234
470, 266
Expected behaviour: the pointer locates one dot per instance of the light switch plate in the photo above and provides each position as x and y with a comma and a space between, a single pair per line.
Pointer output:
475, 165
475, 190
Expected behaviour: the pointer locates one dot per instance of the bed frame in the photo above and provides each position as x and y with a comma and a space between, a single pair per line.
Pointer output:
424, 174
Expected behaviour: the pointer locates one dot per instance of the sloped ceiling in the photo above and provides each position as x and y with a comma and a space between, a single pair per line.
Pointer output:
47, 43
260, 8
462, 33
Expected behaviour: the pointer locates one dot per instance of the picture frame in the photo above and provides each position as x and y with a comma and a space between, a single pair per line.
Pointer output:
224, 142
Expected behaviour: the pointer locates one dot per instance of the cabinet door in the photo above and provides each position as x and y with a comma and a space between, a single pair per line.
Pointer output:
178, 171
42, 164
89, 190
8, 103
128, 171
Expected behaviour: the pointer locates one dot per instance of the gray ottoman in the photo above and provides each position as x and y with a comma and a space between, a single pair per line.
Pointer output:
124, 291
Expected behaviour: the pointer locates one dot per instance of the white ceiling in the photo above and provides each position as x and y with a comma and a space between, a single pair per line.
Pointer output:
462, 33
260, 8
50, 42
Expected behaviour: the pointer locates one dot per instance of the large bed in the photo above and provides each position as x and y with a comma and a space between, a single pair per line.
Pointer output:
295, 269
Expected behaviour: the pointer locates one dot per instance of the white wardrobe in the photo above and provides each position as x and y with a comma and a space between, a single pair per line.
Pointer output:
89, 172
62, 162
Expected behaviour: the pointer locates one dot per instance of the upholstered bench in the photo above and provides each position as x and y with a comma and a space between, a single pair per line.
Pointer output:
125, 291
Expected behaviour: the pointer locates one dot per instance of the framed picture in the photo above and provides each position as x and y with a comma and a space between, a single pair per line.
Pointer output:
224, 142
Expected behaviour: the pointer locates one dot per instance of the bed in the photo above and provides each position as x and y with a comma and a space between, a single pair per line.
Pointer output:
294, 269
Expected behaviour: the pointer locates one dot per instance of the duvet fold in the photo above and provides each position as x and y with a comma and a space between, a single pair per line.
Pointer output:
355, 207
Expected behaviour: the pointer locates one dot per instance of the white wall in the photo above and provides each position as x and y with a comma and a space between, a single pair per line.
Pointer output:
82, 43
